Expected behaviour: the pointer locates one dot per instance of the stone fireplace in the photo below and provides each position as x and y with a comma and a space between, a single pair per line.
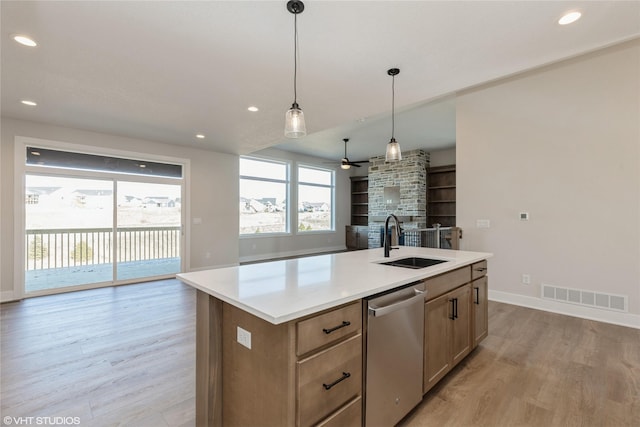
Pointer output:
409, 176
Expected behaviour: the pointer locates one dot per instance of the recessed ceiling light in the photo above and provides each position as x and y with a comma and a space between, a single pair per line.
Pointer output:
569, 18
29, 103
142, 165
253, 109
200, 136
24, 40
35, 153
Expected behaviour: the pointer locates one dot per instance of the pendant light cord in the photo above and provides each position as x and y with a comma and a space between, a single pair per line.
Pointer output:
295, 58
393, 104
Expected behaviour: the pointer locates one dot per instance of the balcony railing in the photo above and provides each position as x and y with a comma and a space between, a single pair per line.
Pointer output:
59, 248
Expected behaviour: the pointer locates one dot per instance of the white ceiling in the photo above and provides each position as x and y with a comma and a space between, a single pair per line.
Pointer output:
165, 71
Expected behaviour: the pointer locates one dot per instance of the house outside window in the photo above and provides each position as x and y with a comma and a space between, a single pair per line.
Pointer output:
264, 190
316, 189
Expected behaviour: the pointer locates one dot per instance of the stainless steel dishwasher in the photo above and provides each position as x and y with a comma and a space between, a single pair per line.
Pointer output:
395, 336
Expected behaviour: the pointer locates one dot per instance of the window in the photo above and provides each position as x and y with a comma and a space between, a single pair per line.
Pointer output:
264, 189
315, 199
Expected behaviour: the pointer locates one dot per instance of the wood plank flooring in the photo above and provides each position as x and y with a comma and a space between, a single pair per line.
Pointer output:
126, 356
113, 356
540, 369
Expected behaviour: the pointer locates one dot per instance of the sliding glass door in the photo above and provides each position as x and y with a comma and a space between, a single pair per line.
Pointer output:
71, 238
148, 224
68, 233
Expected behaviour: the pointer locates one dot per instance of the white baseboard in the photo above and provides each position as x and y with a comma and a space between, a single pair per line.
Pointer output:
276, 255
616, 318
8, 296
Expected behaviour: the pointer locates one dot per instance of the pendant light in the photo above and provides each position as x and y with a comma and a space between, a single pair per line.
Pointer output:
294, 126
393, 148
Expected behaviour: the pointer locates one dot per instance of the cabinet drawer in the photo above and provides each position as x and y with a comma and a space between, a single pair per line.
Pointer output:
347, 416
478, 269
328, 327
329, 379
444, 283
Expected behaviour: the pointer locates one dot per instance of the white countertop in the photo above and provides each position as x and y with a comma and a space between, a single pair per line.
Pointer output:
280, 291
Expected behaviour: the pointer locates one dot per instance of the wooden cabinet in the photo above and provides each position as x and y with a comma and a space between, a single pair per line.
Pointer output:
460, 301
327, 328
437, 338
453, 321
447, 333
357, 237
480, 308
441, 196
360, 200
300, 373
328, 380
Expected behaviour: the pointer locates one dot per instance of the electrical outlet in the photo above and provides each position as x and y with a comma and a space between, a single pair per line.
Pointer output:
526, 279
244, 338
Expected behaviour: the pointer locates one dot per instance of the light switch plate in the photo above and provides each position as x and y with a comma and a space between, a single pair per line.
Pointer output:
244, 337
483, 223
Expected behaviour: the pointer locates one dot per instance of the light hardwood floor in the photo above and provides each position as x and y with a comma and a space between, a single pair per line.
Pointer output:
126, 356
114, 356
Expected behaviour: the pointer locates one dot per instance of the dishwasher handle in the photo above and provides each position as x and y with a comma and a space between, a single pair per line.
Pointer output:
381, 311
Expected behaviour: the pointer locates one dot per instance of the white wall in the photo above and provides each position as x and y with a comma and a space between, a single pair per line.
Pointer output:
262, 247
444, 157
213, 193
562, 143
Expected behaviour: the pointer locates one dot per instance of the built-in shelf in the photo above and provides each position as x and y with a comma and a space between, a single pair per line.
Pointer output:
357, 236
440, 187
441, 196
360, 200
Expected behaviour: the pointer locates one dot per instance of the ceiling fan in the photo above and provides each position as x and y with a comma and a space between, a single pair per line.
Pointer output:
345, 163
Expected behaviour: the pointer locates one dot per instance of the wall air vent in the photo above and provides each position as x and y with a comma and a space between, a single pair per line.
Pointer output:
586, 298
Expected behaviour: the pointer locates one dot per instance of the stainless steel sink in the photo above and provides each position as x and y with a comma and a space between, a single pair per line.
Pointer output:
413, 262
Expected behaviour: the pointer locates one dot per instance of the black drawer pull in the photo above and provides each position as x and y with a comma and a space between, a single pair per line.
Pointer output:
453, 309
335, 328
344, 376
481, 269
477, 301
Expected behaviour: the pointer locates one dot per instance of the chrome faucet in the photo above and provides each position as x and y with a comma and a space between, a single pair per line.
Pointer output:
387, 243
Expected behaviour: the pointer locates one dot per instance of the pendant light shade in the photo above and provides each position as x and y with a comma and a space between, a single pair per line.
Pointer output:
294, 126
394, 154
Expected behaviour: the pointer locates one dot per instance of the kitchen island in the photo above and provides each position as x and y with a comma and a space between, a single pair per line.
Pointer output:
269, 334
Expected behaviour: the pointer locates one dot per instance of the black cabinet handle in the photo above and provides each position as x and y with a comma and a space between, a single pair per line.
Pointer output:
481, 269
335, 328
477, 301
453, 309
344, 376
455, 316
